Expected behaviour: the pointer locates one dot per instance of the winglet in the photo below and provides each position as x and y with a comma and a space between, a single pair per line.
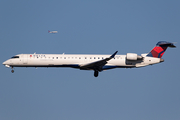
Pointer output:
112, 56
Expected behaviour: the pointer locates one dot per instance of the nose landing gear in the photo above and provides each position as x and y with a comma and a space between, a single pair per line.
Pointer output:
12, 70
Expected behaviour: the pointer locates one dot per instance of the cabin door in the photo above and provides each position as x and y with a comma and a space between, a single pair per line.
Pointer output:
25, 59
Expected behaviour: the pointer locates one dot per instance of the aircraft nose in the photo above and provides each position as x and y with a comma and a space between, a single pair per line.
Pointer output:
5, 63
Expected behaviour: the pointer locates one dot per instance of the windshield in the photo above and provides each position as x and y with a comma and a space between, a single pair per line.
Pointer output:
15, 57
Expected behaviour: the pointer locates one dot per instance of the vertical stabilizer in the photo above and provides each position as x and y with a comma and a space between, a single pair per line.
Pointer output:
160, 48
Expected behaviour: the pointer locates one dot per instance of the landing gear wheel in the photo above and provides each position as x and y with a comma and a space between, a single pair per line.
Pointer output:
12, 69
96, 73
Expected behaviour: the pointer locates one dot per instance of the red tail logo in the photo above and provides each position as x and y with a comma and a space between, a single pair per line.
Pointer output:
160, 48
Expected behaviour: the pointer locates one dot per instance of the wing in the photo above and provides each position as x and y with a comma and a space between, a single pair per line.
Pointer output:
98, 65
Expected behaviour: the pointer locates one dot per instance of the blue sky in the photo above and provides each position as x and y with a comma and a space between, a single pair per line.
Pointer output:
89, 27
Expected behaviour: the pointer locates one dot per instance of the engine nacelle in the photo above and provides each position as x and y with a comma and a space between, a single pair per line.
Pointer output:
131, 56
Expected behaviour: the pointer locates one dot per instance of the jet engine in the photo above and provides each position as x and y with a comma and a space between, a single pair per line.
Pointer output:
133, 56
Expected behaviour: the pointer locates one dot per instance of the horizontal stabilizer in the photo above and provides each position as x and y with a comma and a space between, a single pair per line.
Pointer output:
165, 44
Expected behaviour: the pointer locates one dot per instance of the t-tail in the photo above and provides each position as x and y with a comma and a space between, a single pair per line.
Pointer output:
159, 49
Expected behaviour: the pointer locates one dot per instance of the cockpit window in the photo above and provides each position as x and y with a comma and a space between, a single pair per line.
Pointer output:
15, 57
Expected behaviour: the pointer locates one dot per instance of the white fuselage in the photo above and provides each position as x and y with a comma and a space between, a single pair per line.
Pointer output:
97, 63
76, 61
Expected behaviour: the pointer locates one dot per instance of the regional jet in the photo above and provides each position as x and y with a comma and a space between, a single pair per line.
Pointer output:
52, 31
97, 63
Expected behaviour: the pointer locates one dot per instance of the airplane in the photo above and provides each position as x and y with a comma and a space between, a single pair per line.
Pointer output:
52, 31
97, 63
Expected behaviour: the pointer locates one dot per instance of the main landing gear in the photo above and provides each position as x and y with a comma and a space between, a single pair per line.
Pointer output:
96, 73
